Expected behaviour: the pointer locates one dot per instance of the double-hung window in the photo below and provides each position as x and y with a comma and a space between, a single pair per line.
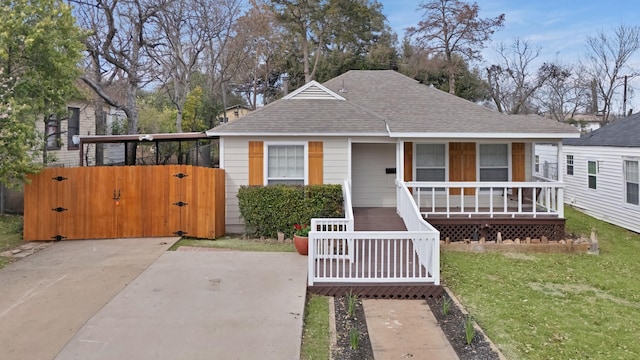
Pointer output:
494, 162
569, 164
430, 162
631, 181
592, 172
285, 164
73, 128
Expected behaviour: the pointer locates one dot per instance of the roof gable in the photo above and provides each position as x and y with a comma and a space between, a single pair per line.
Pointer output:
313, 91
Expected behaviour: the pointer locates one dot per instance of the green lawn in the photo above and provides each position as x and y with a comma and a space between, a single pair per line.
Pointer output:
315, 340
237, 244
556, 306
10, 234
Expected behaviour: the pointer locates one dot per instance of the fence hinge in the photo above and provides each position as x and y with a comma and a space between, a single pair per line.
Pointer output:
180, 233
59, 178
59, 209
58, 237
180, 203
181, 175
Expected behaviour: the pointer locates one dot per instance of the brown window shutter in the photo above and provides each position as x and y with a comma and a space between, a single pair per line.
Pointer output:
256, 163
408, 161
462, 165
316, 176
517, 162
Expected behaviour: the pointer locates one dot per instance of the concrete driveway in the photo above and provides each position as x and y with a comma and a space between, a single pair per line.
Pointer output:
130, 299
47, 297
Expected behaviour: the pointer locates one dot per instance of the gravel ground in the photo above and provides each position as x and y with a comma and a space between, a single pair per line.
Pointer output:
452, 325
344, 324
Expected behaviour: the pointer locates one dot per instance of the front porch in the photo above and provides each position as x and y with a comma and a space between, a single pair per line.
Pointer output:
390, 252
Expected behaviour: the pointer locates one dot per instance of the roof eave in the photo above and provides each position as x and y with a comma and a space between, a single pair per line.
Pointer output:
500, 135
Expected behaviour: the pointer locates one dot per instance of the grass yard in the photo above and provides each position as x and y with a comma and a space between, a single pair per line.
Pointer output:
10, 234
315, 340
237, 244
556, 306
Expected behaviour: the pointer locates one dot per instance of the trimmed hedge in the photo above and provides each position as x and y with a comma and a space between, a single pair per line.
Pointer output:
269, 209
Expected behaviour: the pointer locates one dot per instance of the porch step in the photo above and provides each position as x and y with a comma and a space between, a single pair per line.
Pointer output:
379, 290
377, 219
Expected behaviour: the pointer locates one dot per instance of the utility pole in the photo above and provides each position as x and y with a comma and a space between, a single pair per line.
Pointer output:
624, 98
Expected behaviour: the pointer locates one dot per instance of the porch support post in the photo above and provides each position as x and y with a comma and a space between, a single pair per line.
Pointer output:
399, 171
560, 169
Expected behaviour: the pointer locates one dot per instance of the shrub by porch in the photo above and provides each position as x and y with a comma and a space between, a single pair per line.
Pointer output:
266, 210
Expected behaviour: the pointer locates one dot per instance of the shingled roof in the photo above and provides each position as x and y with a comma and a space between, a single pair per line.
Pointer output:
386, 103
621, 133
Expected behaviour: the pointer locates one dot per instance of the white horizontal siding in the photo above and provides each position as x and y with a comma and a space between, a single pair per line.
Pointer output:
607, 202
371, 186
547, 153
236, 166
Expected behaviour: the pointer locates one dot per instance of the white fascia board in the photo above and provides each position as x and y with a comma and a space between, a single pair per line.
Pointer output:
263, 134
485, 135
310, 84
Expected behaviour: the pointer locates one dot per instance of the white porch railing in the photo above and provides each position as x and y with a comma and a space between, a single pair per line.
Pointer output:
338, 254
510, 199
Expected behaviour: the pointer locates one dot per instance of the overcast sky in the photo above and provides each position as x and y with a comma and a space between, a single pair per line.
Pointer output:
559, 27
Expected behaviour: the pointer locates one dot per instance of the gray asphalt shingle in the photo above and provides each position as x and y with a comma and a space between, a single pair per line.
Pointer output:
622, 133
377, 99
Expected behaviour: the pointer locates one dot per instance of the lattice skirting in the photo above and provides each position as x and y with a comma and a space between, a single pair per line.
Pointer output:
474, 229
386, 291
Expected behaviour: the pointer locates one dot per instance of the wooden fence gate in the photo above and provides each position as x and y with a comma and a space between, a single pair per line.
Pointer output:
124, 201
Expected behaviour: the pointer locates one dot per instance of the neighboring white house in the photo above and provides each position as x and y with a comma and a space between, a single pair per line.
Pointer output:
601, 172
60, 135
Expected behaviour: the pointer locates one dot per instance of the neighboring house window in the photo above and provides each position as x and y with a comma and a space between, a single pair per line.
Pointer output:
53, 133
592, 170
74, 128
494, 162
430, 162
569, 164
537, 169
285, 164
632, 181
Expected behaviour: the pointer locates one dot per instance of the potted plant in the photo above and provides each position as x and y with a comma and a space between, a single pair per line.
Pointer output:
301, 238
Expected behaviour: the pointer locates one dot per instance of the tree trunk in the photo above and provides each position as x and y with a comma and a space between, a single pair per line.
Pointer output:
101, 127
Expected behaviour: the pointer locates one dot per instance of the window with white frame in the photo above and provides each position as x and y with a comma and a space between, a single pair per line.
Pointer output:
537, 165
569, 164
632, 181
592, 171
430, 162
285, 164
494, 162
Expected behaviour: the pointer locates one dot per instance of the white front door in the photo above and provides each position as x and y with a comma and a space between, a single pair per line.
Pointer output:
373, 175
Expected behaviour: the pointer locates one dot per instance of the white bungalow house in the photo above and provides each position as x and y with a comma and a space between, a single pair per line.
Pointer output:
601, 172
448, 167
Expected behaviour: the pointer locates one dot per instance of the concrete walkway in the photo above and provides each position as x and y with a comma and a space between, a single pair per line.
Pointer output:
202, 305
403, 329
46, 297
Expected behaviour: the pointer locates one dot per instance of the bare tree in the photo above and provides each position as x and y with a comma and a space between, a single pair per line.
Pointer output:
512, 81
453, 27
185, 27
607, 58
120, 40
565, 93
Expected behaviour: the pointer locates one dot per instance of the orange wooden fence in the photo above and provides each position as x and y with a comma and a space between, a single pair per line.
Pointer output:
124, 201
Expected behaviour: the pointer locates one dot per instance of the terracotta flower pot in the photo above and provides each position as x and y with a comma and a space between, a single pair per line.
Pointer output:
302, 244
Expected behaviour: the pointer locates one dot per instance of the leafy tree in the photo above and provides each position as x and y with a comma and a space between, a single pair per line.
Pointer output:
433, 70
451, 27
330, 36
40, 48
